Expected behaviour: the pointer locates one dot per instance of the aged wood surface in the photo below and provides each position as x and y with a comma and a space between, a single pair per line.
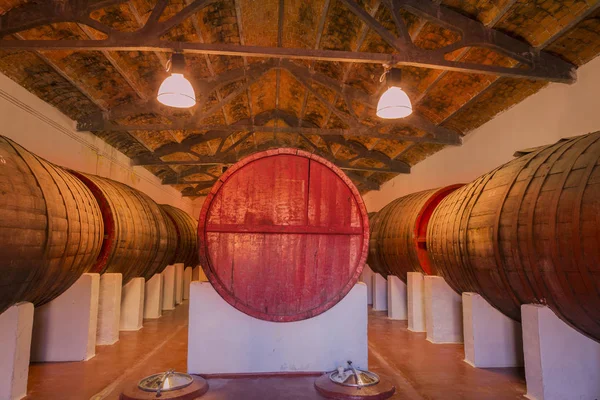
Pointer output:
186, 228
313, 67
283, 235
528, 232
136, 239
50, 228
398, 242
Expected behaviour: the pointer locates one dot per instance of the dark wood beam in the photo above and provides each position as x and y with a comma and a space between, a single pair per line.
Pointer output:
361, 181
434, 133
421, 58
473, 34
225, 130
231, 158
541, 65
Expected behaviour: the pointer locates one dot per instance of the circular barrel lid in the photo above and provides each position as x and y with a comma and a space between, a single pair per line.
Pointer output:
283, 235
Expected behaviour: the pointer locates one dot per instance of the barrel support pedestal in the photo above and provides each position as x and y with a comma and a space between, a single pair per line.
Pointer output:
223, 340
179, 267
65, 328
492, 340
560, 363
379, 293
366, 277
443, 312
187, 279
132, 305
415, 291
168, 288
16, 324
109, 309
153, 295
396, 292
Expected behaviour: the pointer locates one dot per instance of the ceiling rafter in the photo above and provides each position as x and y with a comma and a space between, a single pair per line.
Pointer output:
547, 43
238, 17
434, 133
534, 63
311, 67
541, 65
209, 65
226, 157
206, 86
365, 183
361, 180
393, 7
97, 125
361, 39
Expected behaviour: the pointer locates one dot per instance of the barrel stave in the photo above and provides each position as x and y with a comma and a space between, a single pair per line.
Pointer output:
50, 228
531, 233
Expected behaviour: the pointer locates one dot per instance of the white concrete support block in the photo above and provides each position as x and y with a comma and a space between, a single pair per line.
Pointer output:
132, 305
153, 297
415, 302
179, 283
65, 328
560, 362
379, 293
396, 301
366, 277
196, 273
492, 340
109, 309
16, 325
443, 311
187, 279
168, 288
225, 340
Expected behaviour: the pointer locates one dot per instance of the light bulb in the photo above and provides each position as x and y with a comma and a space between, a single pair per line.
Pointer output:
394, 103
176, 91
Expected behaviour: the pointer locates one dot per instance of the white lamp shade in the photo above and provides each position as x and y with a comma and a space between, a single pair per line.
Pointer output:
176, 91
394, 103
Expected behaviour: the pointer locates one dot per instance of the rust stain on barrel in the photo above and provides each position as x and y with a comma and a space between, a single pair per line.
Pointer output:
283, 235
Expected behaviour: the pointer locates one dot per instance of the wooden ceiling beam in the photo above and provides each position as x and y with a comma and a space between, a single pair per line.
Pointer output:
361, 181
541, 65
473, 34
422, 58
434, 133
225, 130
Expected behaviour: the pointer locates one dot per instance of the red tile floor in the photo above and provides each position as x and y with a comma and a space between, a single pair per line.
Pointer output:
419, 369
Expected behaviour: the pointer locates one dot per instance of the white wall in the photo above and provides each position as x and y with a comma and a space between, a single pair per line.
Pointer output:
555, 112
45, 131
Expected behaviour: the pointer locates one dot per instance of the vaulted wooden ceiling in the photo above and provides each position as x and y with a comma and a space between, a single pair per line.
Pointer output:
290, 73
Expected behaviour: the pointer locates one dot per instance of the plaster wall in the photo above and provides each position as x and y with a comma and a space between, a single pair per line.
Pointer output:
45, 131
555, 112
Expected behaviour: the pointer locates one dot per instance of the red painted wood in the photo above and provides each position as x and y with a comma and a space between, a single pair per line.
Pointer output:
420, 230
283, 235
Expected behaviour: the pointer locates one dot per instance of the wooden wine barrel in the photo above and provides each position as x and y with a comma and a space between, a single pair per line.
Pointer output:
374, 260
136, 237
398, 235
186, 229
283, 235
528, 232
173, 242
50, 228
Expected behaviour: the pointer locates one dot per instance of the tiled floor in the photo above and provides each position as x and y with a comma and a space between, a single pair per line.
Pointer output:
419, 369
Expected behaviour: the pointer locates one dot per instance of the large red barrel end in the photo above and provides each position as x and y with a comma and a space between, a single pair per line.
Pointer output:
283, 235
